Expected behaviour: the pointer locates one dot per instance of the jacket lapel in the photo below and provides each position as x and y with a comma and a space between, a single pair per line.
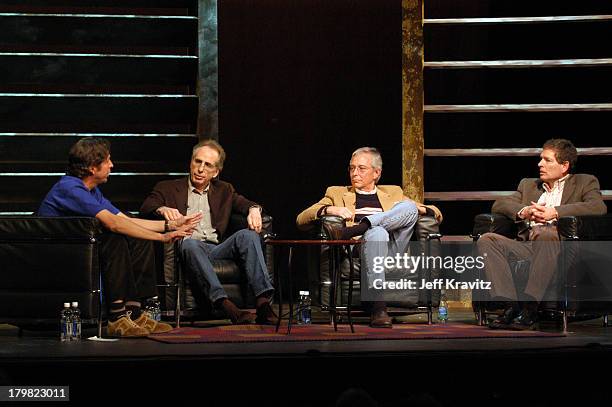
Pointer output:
385, 199
213, 203
568, 189
349, 198
534, 193
182, 189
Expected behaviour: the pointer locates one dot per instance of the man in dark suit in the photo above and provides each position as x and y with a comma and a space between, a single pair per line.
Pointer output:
537, 204
216, 200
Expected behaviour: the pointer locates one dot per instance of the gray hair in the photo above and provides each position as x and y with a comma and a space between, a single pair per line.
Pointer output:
210, 143
374, 153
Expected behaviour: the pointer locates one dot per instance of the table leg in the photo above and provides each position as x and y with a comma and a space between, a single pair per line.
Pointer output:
332, 291
333, 287
350, 292
279, 289
290, 288
338, 279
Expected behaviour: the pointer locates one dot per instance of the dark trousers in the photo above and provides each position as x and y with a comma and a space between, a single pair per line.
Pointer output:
128, 268
542, 250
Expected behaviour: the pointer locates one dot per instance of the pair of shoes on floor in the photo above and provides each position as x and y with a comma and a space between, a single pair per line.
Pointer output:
154, 327
379, 318
511, 319
503, 321
266, 315
526, 321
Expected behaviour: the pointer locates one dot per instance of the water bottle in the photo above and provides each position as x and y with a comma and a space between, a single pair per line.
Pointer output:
299, 309
443, 309
65, 323
153, 307
156, 309
305, 312
76, 322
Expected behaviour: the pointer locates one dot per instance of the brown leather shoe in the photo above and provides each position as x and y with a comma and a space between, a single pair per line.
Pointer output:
235, 314
266, 315
380, 319
244, 318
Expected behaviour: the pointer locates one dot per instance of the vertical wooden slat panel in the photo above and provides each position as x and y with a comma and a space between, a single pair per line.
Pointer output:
412, 99
208, 77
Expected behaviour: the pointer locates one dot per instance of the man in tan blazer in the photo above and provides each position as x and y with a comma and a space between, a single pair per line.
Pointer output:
537, 205
380, 213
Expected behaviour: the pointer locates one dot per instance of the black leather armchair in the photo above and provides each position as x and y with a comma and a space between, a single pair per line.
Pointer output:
574, 305
192, 304
46, 262
426, 233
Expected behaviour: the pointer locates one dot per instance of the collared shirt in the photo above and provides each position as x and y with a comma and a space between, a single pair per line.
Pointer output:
198, 202
70, 197
551, 197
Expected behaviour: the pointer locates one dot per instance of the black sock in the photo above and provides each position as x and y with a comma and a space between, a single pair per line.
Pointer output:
356, 230
135, 309
117, 310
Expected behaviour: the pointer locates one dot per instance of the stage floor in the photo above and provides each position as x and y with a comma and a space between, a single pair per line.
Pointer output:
471, 368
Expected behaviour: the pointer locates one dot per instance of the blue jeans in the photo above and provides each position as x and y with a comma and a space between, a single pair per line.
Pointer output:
389, 235
244, 245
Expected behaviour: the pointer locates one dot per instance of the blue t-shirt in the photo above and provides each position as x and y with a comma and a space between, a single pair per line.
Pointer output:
70, 197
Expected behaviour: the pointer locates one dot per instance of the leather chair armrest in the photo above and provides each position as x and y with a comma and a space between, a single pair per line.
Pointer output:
20, 228
494, 223
318, 232
595, 227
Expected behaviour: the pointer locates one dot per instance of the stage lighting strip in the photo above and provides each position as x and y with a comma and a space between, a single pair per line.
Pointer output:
512, 20
96, 135
98, 16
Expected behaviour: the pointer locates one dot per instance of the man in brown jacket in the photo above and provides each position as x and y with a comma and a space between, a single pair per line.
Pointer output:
537, 204
216, 200
380, 213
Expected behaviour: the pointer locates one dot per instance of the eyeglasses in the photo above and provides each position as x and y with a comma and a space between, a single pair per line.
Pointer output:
361, 169
208, 167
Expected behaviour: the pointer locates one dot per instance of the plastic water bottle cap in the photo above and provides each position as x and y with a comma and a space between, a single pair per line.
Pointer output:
66, 305
75, 304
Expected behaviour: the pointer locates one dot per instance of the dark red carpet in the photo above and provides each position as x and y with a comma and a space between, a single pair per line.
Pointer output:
258, 333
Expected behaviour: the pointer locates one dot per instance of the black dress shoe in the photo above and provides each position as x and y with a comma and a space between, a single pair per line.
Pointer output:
380, 319
503, 321
526, 321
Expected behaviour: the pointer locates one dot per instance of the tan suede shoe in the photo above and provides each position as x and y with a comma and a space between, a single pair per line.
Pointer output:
124, 327
151, 325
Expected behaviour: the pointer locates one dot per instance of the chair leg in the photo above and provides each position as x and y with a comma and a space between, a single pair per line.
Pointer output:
605, 320
482, 316
178, 280
100, 302
177, 307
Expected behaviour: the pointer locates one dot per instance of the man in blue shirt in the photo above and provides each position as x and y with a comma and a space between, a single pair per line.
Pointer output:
126, 253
